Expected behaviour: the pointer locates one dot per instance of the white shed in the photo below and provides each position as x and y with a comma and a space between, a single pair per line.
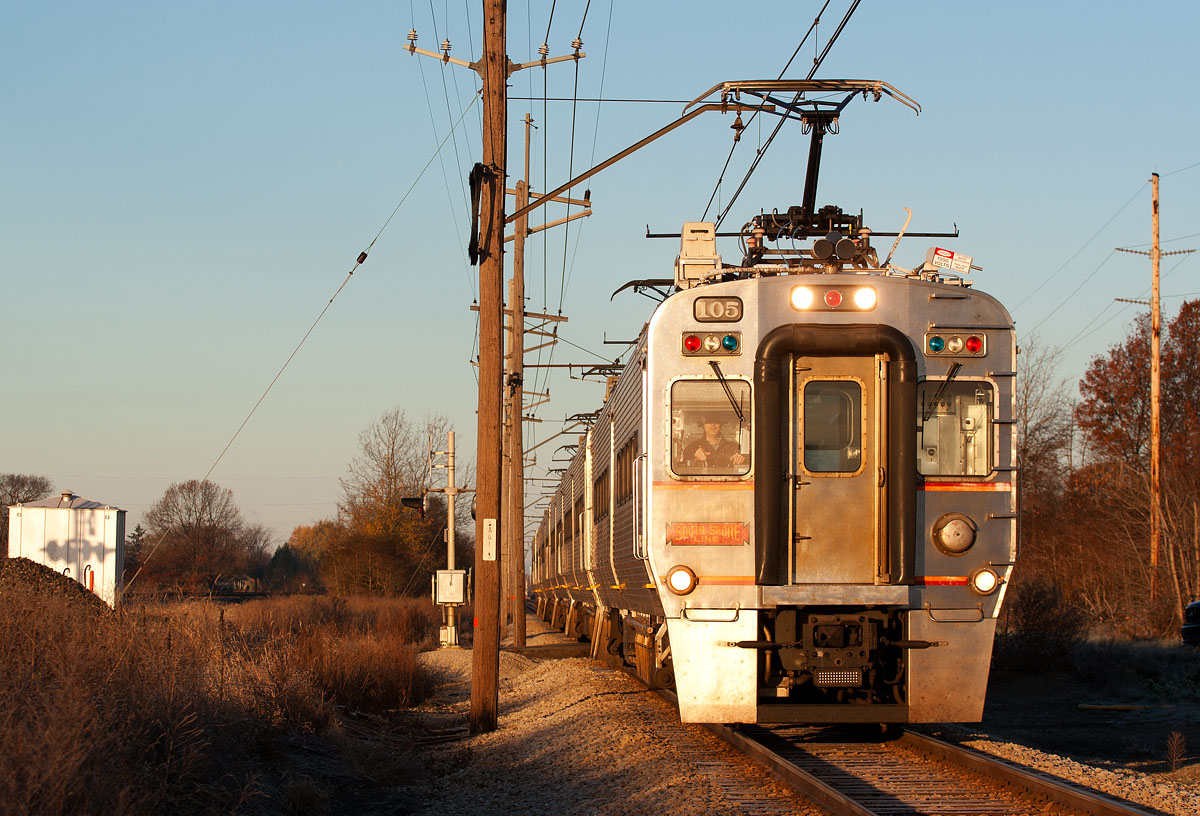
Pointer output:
80, 538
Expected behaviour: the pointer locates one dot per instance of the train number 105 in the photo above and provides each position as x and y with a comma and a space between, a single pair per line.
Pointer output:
717, 309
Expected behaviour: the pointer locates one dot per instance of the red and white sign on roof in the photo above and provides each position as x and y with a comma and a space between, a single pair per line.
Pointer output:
954, 261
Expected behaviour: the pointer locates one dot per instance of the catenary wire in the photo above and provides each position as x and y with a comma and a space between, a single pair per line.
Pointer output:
354, 267
550, 22
1095, 235
753, 116
542, 354
596, 130
1081, 335
446, 95
779, 126
565, 280
1063, 302
1181, 169
454, 211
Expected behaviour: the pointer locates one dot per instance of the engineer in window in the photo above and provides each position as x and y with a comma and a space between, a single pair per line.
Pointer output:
712, 449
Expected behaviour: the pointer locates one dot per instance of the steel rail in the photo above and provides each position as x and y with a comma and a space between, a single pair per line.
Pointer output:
799, 780
1029, 781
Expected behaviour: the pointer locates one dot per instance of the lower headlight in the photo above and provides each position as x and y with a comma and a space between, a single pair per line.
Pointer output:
984, 581
681, 580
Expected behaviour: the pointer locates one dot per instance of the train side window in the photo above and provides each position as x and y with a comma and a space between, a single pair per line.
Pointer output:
955, 435
707, 436
600, 496
832, 426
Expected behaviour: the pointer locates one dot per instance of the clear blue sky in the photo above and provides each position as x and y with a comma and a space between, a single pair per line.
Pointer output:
185, 187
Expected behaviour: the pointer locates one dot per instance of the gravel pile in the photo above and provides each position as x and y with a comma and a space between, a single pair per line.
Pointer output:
23, 575
577, 738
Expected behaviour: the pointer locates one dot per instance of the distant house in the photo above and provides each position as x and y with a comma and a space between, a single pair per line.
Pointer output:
80, 538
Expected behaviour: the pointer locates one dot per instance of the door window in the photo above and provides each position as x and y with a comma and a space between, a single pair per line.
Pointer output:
832, 426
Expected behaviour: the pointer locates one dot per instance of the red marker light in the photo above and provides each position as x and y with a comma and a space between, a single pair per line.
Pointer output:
692, 342
974, 344
833, 298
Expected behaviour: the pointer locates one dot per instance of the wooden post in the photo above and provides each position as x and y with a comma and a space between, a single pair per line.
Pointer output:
1156, 254
516, 474
1155, 430
485, 677
1156, 508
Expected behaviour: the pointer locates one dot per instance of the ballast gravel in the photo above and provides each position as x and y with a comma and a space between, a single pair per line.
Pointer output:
577, 738
1165, 796
574, 738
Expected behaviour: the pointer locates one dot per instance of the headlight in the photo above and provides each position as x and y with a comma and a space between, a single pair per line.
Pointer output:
984, 581
681, 580
954, 533
864, 298
802, 297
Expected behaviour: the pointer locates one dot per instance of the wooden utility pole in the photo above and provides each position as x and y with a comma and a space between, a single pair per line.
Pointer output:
485, 670
1155, 428
1155, 254
494, 68
516, 408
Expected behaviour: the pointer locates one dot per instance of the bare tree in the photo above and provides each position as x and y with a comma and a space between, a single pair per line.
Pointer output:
199, 534
17, 488
1044, 421
383, 544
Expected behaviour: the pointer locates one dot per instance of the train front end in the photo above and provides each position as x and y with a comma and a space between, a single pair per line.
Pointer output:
830, 512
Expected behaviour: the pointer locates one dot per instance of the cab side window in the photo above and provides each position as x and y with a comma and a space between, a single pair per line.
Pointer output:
955, 430
710, 428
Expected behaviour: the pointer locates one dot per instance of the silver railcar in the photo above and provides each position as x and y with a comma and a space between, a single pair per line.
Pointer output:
798, 501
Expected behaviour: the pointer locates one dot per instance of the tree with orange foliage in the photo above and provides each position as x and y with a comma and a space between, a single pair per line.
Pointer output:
377, 546
1114, 416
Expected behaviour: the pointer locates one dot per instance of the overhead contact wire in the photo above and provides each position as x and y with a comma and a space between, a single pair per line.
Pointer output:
1103, 227
779, 126
753, 116
357, 263
349, 274
454, 212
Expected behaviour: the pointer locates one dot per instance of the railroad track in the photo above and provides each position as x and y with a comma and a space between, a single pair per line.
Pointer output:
911, 774
853, 773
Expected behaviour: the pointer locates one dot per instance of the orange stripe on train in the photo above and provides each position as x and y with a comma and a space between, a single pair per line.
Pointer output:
967, 487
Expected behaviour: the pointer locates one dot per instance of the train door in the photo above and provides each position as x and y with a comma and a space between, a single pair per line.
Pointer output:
837, 463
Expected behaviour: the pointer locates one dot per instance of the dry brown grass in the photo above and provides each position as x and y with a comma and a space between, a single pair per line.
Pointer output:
183, 708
